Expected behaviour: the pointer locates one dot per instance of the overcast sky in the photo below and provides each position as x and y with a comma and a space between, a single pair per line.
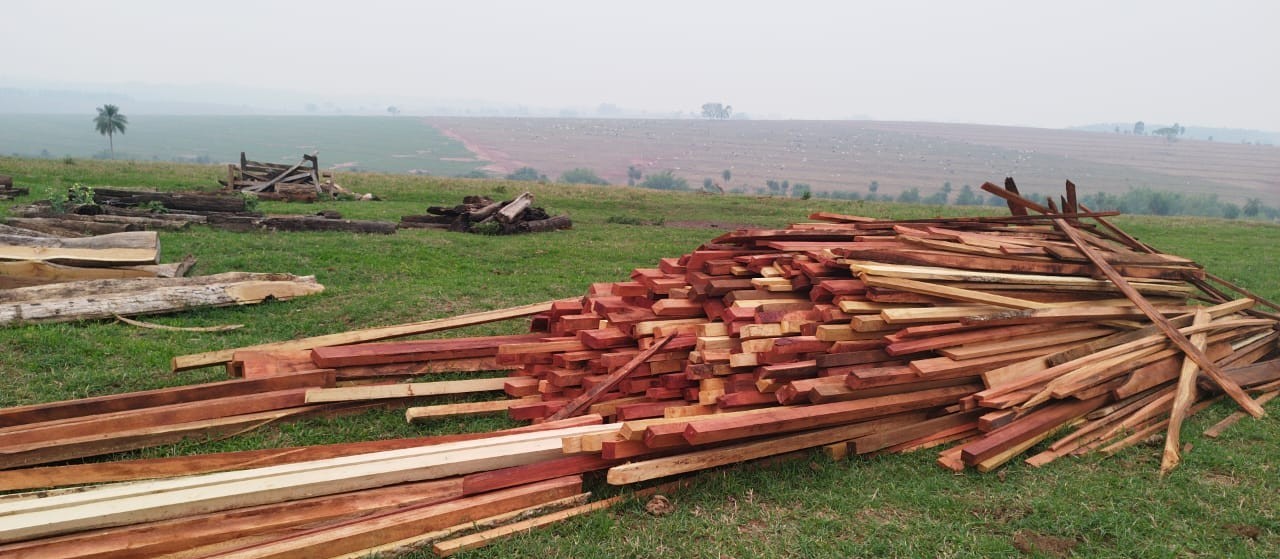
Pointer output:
1022, 63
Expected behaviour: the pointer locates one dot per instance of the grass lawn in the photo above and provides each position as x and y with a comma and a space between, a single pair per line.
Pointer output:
1223, 501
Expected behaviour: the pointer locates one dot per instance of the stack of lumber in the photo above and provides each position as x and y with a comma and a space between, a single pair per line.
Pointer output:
862, 336
300, 182
53, 279
7, 190
480, 214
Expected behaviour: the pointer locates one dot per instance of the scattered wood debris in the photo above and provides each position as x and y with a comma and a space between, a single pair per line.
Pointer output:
480, 214
858, 335
301, 182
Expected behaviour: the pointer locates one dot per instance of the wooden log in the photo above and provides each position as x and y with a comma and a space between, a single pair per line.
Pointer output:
185, 362
160, 295
131, 248
60, 226
28, 273
554, 223
310, 223
512, 211
175, 201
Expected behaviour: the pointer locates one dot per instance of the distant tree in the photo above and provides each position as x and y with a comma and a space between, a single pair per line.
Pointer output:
1139, 128
474, 174
726, 175
909, 196
773, 185
966, 197
524, 174
393, 110
1117, 129
784, 187
633, 175
665, 180
707, 183
802, 191
875, 185
582, 175
1170, 133
716, 111
109, 121
1231, 211
1252, 207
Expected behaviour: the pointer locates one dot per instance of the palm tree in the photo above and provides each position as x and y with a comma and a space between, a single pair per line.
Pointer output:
109, 121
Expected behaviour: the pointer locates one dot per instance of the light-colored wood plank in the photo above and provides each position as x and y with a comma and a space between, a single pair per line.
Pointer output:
404, 390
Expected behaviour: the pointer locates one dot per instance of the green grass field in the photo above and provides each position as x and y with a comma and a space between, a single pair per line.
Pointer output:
1223, 501
382, 144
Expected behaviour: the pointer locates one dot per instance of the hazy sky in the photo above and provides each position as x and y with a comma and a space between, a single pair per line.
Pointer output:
1047, 64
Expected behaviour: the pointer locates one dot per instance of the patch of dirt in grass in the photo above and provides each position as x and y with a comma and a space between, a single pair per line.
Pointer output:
1219, 479
1244, 530
1002, 514
881, 516
1031, 543
703, 224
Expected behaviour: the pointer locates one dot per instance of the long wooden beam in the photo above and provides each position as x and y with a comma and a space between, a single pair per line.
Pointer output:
184, 362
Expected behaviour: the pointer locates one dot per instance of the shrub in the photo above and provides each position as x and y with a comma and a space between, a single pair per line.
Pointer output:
582, 175
525, 174
664, 181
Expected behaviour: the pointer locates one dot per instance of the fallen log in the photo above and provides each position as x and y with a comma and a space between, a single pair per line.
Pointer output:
98, 299
197, 202
136, 247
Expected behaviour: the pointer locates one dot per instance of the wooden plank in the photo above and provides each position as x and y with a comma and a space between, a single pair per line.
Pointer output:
1183, 398
173, 466
119, 504
156, 538
636, 472
194, 361
593, 394
965, 295
160, 397
422, 350
128, 248
1207, 365
362, 533
404, 390
821, 415
467, 408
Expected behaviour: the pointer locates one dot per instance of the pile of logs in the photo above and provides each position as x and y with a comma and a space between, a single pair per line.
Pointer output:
7, 190
117, 210
301, 182
480, 214
857, 335
54, 279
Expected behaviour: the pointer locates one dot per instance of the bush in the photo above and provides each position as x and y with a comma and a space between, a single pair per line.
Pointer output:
582, 175
526, 174
664, 181
632, 220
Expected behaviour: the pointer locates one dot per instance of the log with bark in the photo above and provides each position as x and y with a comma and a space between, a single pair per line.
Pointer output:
186, 201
